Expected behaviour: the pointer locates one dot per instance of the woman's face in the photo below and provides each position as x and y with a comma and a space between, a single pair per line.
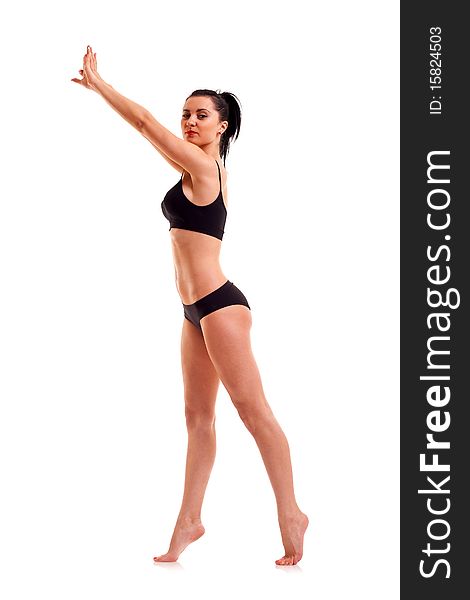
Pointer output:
200, 117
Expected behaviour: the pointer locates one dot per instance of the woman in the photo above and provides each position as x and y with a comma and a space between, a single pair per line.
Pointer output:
215, 342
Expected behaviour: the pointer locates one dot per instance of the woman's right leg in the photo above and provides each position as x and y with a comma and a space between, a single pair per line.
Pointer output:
201, 384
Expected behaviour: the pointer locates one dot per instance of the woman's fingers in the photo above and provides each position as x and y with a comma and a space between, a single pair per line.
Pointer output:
89, 60
90, 57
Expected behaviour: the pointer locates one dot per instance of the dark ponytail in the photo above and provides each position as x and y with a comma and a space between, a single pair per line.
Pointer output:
229, 108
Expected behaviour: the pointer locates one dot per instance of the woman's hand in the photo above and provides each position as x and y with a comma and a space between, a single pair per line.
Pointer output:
89, 72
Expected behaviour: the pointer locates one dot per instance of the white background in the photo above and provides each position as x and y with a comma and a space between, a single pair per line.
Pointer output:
92, 432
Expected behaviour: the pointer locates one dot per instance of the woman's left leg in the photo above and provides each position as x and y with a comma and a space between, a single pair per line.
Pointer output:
227, 337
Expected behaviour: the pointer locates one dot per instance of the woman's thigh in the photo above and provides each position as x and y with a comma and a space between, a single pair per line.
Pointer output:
201, 381
227, 337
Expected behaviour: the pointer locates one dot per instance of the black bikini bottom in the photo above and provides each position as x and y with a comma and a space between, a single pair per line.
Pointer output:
226, 295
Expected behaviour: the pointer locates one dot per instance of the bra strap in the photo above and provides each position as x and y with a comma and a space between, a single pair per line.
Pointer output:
220, 181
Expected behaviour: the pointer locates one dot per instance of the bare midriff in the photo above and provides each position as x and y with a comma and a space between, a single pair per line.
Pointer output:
196, 260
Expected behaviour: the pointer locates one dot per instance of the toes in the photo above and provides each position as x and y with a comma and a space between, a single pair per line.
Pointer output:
162, 558
286, 561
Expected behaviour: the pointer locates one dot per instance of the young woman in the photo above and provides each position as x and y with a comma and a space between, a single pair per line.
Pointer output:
215, 340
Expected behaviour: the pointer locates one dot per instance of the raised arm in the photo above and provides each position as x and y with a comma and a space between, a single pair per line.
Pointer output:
177, 151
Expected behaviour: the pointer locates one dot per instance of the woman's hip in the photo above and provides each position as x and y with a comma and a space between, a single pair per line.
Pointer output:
225, 295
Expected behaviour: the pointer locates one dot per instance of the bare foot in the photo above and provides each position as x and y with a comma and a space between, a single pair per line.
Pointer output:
292, 532
186, 531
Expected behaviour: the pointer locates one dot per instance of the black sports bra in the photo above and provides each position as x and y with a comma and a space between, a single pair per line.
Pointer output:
184, 214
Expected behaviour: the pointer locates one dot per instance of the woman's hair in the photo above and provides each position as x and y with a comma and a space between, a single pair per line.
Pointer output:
229, 109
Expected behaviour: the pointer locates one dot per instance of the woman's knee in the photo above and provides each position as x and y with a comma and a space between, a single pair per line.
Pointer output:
199, 418
253, 411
